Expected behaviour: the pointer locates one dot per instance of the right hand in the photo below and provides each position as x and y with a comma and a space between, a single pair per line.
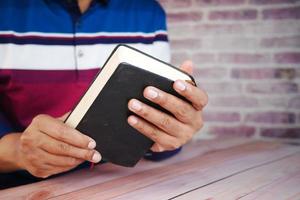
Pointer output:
48, 147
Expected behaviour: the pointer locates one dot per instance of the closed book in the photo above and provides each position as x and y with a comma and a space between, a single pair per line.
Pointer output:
102, 111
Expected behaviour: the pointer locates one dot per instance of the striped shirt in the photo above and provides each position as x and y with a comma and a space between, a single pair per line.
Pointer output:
49, 52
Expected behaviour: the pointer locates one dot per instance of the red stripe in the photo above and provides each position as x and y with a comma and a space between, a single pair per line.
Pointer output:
27, 93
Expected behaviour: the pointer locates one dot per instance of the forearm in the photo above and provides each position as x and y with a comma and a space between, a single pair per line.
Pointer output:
8, 152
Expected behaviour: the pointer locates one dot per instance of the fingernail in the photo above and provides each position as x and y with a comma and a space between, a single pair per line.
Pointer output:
152, 94
135, 105
180, 85
92, 144
96, 157
132, 120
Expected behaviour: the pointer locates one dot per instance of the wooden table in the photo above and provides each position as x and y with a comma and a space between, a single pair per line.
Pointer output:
227, 169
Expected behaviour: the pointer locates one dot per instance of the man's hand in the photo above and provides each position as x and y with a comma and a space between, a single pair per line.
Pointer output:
170, 132
48, 147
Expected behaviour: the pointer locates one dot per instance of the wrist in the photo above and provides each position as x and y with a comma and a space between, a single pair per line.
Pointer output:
9, 153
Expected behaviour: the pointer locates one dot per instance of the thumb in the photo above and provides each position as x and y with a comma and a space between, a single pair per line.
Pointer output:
187, 66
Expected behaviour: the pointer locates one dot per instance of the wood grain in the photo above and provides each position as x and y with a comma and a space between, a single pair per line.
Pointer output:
227, 169
85, 178
242, 185
210, 168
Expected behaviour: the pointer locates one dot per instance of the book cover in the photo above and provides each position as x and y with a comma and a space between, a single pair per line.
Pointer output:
102, 112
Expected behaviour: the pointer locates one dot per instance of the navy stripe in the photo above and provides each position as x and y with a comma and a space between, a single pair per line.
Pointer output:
12, 39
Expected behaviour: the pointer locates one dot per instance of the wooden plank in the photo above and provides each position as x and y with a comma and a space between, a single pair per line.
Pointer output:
245, 183
288, 188
174, 179
85, 178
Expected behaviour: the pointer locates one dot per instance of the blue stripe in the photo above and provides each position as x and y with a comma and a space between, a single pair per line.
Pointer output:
51, 17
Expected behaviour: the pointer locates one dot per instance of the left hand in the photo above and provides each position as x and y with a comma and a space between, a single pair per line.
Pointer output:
170, 132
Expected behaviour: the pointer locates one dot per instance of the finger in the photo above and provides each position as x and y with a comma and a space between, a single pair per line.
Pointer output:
195, 95
162, 120
182, 110
165, 141
157, 148
60, 131
187, 66
59, 148
62, 161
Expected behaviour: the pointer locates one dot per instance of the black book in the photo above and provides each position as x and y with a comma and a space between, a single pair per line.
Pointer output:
102, 111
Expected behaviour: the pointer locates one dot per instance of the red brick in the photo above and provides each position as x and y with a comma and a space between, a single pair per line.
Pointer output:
263, 73
272, 88
240, 58
286, 73
223, 131
258, 73
297, 73
217, 29
181, 30
281, 42
233, 15
219, 2
201, 58
221, 87
289, 57
282, 13
263, 2
273, 102
175, 3
209, 73
221, 116
281, 132
178, 58
233, 101
179, 17
185, 44
271, 117
295, 103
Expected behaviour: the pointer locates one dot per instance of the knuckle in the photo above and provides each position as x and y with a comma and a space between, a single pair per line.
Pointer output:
141, 126
39, 173
88, 155
174, 145
181, 112
203, 101
154, 133
62, 131
187, 136
163, 100
25, 140
165, 122
64, 147
32, 158
39, 118
199, 123
145, 112
72, 161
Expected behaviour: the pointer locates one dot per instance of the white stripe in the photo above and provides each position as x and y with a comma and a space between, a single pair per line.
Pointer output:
51, 57
70, 35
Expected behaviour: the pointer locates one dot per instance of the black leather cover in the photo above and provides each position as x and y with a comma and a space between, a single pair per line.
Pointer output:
106, 119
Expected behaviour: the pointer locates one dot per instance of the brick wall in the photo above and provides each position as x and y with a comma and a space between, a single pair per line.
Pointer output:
247, 57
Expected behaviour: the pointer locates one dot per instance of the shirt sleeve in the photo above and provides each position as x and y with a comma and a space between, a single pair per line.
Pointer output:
158, 156
5, 126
